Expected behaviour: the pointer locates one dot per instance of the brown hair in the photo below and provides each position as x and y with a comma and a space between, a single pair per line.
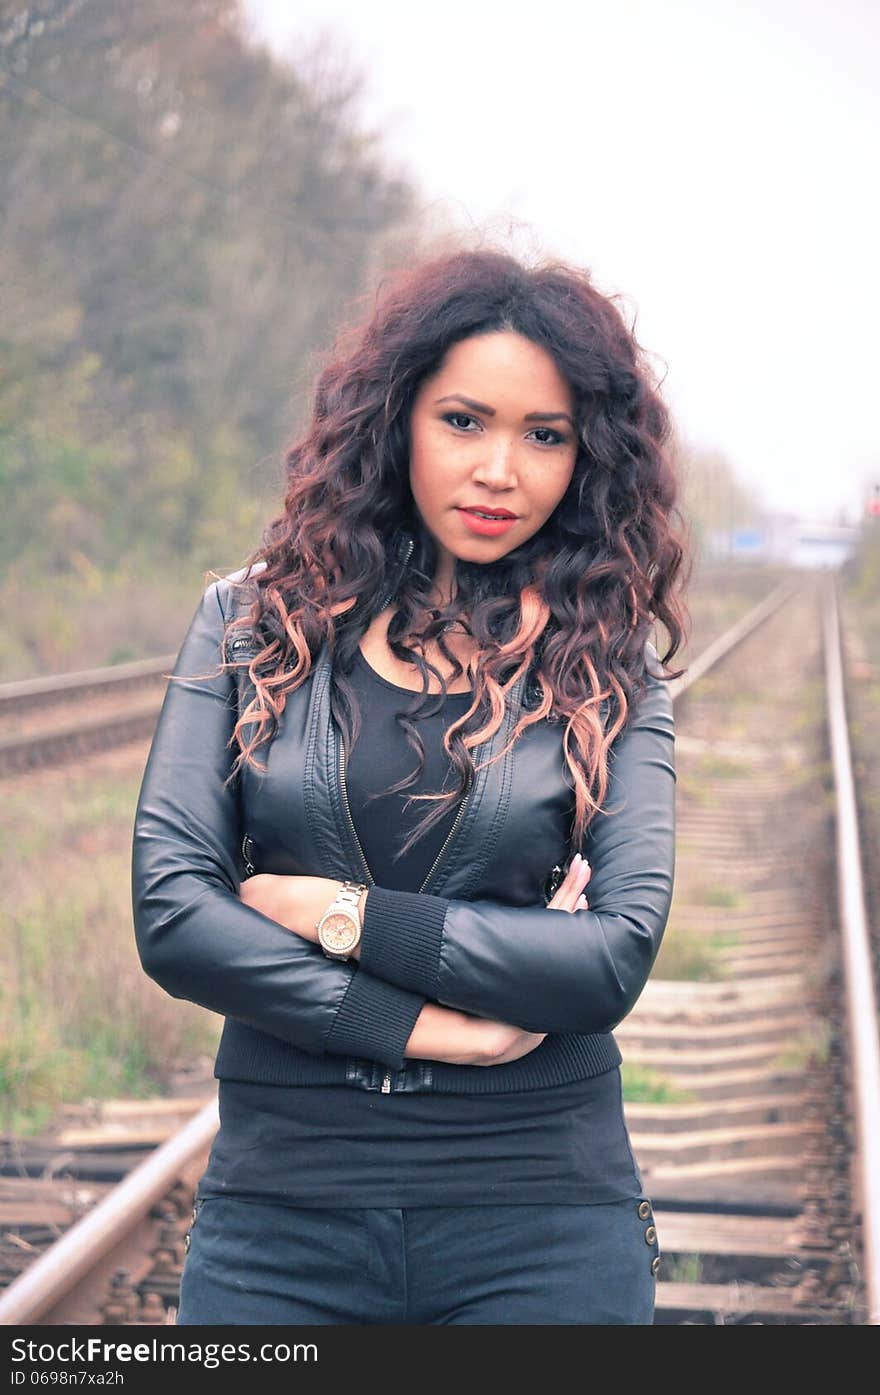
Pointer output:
571, 607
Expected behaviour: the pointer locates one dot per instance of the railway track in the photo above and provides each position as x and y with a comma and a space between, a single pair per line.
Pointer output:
747, 1102
117, 704
748, 1160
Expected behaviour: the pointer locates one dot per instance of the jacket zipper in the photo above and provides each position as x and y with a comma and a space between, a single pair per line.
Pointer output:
450, 835
370, 878
385, 1087
458, 818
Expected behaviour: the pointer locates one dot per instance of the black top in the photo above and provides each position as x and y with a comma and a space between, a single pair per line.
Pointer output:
338, 1145
382, 757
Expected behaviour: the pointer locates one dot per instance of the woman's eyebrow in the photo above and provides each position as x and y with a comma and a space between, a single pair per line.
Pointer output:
490, 411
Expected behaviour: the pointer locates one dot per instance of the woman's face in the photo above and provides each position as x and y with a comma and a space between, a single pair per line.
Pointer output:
493, 430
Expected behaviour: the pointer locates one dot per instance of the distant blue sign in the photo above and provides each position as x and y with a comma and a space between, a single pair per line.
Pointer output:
747, 540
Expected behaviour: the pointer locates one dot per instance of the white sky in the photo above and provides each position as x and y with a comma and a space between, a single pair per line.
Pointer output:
714, 160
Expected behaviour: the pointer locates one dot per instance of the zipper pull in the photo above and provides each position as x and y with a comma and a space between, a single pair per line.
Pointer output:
386, 1083
247, 847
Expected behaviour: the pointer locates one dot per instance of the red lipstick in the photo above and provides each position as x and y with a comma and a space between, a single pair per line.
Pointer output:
488, 527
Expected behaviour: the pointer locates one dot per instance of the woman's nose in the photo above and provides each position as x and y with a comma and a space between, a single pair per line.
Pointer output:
498, 465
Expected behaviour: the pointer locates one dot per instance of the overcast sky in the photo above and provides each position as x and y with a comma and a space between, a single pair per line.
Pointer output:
715, 160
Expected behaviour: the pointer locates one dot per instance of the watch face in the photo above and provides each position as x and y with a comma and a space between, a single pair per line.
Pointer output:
339, 931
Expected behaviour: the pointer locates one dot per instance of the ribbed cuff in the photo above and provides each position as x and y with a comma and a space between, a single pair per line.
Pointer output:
401, 938
375, 1020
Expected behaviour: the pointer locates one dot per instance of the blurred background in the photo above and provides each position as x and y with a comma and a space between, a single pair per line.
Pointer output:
193, 195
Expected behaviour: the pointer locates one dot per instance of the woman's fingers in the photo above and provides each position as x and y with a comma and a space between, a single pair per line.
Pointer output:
568, 896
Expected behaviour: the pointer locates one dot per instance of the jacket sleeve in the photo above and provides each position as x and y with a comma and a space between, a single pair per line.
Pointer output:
194, 935
549, 970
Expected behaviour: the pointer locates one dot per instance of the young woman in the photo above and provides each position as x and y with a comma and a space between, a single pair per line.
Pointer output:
420, 1095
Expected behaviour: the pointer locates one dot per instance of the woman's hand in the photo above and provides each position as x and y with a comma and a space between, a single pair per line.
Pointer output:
444, 1034
568, 895
297, 903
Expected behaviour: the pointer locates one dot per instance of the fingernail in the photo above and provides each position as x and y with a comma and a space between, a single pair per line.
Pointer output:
576, 859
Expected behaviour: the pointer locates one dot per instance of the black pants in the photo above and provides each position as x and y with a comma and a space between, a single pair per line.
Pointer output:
253, 1262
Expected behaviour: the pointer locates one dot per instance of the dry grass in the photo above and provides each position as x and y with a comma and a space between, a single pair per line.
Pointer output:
692, 955
78, 1016
642, 1085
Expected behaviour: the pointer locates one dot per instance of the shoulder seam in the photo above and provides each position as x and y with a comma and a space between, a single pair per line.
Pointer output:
232, 579
244, 572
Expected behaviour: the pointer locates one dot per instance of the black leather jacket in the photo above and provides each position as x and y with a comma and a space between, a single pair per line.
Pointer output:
487, 944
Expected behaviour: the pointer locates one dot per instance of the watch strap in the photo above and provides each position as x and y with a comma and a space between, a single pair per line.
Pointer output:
349, 894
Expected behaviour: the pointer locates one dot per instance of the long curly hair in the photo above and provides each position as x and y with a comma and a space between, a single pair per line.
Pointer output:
571, 608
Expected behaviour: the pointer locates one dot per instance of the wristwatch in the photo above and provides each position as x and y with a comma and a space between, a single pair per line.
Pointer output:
339, 929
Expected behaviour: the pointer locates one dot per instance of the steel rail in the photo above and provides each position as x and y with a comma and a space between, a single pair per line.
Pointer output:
860, 994
108, 678
136, 723
56, 1272
734, 636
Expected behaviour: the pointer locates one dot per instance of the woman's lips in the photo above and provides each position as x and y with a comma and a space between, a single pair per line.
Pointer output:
487, 527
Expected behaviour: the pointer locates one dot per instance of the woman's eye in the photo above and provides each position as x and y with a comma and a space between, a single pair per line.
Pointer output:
452, 417
555, 440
